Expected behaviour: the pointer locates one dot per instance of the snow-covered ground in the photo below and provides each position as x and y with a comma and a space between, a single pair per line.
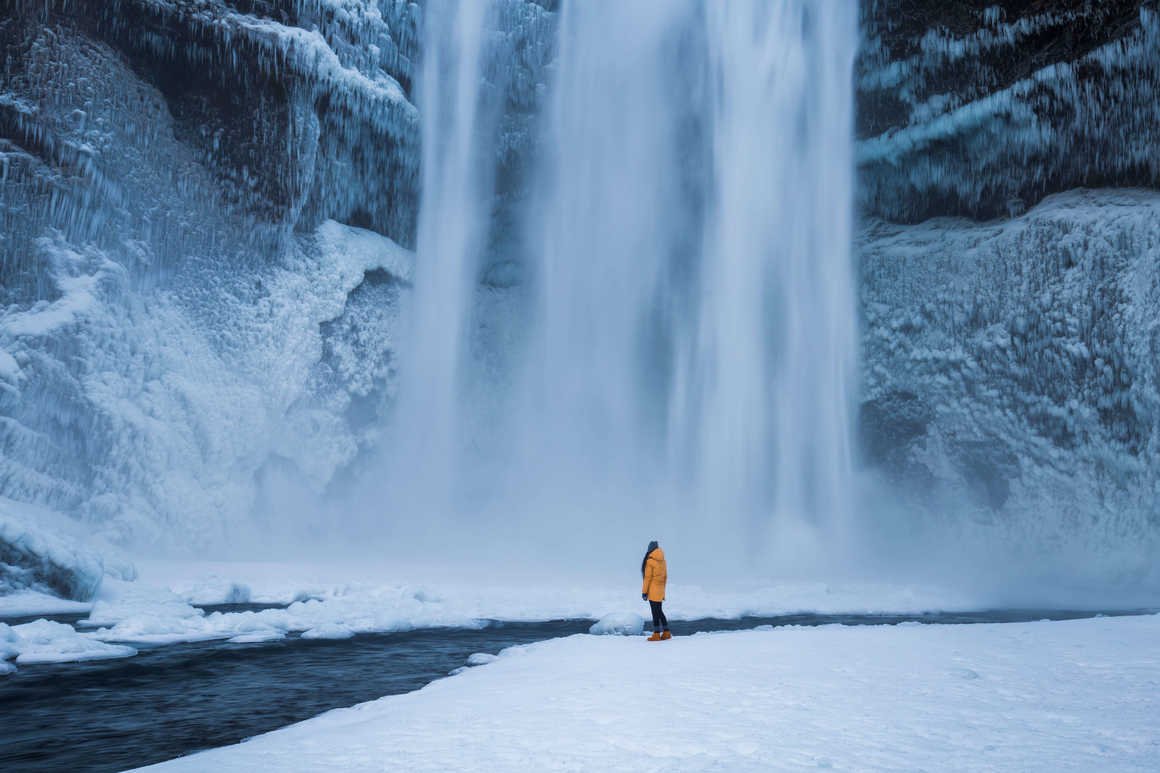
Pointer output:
1064, 696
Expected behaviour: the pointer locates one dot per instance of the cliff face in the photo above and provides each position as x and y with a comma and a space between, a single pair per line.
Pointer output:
184, 322
1011, 369
1010, 365
179, 310
204, 210
981, 109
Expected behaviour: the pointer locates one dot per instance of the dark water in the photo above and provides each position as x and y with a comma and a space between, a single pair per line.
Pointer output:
175, 699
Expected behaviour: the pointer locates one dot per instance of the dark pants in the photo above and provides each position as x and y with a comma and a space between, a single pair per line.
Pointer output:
659, 618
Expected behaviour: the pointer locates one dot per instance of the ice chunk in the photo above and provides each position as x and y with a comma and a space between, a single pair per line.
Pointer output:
619, 623
44, 641
480, 658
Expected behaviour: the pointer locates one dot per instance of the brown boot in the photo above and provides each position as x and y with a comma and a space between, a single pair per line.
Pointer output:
655, 637
666, 635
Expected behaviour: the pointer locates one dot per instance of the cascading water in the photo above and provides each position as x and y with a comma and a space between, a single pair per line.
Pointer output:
452, 226
776, 343
689, 284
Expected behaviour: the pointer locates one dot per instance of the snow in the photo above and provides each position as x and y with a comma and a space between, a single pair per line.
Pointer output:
1071, 696
620, 623
44, 641
481, 658
9, 368
78, 299
329, 601
25, 603
358, 249
324, 601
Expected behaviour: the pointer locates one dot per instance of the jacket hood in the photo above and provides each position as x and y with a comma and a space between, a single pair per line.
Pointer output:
658, 554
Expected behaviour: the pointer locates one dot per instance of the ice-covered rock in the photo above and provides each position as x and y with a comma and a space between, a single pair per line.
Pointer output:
1011, 381
35, 555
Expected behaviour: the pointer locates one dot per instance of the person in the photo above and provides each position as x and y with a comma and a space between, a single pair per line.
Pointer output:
655, 573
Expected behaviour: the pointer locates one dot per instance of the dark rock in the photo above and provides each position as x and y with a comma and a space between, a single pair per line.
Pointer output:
966, 105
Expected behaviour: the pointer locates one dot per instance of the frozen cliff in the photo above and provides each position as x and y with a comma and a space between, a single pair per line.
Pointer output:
208, 211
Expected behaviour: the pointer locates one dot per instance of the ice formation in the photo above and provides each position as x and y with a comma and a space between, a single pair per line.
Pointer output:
1010, 378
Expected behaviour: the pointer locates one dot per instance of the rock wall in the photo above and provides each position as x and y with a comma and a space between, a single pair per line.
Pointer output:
983, 108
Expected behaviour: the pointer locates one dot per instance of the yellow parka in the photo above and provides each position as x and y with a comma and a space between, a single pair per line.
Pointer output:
656, 573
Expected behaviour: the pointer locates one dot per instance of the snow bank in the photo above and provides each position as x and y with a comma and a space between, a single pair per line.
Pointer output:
25, 603
144, 614
1073, 696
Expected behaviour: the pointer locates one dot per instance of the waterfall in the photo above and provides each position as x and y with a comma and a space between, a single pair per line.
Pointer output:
775, 347
452, 227
688, 301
